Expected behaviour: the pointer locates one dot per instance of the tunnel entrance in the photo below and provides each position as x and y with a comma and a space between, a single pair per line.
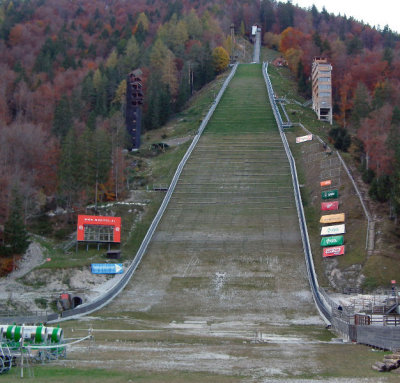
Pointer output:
76, 301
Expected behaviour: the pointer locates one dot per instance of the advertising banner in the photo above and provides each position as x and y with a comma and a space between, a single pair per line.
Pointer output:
326, 183
308, 137
107, 268
332, 251
336, 240
332, 230
330, 194
332, 218
326, 206
96, 220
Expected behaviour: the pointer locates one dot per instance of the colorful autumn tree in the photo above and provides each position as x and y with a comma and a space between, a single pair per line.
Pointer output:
291, 38
220, 59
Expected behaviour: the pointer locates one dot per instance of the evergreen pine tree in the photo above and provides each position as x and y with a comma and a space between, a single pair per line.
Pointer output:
361, 102
69, 169
15, 233
62, 117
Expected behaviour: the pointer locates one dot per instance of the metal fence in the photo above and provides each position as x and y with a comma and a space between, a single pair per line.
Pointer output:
106, 298
322, 306
342, 320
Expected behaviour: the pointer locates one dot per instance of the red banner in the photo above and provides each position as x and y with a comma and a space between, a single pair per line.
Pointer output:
326, 183
332, 251
334, 205
89, 220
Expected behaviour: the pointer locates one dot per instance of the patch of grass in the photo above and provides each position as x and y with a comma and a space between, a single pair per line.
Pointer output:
381, 269
243, 115
66, 260
164, 166
179, 283
57, 374
267, 54
370, 284
132, 244
37, 284
42, 303
253, 283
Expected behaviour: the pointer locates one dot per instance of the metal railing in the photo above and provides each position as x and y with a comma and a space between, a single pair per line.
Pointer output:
384, 334
117, 288
323, 307
104, 299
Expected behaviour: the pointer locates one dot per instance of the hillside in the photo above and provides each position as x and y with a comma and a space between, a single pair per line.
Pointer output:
63, 69
62, 99
360, 270
222, 292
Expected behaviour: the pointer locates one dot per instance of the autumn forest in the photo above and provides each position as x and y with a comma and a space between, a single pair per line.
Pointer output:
63, 68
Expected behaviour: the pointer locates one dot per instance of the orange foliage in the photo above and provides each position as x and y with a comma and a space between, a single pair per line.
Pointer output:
108, 28
290, 38
15, 36
344, 104
7, 265
91, 65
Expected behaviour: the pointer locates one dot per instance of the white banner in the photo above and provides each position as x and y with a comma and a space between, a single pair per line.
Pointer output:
335, 229
308, 137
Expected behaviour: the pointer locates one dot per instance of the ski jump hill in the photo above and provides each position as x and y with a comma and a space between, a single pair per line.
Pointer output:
229, 242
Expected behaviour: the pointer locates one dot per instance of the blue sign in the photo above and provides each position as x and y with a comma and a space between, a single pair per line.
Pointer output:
107, 268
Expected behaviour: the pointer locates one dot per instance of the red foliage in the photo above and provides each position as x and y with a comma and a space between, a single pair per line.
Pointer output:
291, 38
374, 132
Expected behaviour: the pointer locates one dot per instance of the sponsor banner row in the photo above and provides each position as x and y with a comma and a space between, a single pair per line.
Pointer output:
332, 251
336, 240
327, 206
333, 230
332, 218
308, 137
330, 194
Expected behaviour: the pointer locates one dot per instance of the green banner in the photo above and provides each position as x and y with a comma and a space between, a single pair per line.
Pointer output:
330, 194
336, 240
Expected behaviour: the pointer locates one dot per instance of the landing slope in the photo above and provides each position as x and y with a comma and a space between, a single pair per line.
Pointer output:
229, 244
221, 294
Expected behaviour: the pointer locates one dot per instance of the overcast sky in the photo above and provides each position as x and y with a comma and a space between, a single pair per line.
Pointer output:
374, 13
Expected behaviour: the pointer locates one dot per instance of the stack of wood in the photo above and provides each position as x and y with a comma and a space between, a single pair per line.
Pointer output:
390, 362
